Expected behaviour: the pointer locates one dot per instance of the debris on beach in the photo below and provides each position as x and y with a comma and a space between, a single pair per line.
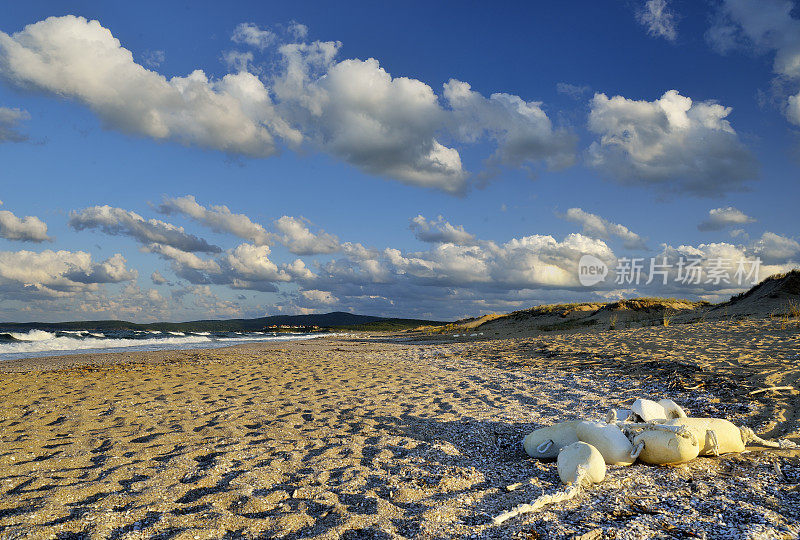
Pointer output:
653, 432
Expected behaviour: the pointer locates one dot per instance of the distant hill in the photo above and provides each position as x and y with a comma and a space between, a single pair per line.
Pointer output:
334, 320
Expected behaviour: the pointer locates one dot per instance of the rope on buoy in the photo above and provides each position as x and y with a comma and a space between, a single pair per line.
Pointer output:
748, 435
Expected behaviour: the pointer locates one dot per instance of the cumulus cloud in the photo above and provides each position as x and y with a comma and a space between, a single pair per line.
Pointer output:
250, 34
357, 111
79, 59
218, 217
183, 259
719, 218
10, 120
29, 228
765, 25
298, 238
439, 231
716, 270
117, 221
522, 131
595, 226
388, 126
247, 266
659, 19
238, 61
157, 278
671, 144
776, 249
535, 262
54, 274
319, 297
112, 270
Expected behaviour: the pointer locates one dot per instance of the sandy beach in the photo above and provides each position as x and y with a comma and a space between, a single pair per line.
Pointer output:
378, 437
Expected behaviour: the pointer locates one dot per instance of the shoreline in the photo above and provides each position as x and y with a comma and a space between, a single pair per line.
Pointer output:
102, 358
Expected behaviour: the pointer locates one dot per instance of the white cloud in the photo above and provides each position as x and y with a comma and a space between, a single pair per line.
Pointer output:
251, 263
57, 273
250, 34
157, 278
319, 297
439, 231
299, 31
183, 259
297, 237
354, 110
238, 61
573, 90
358, 112
659, 19
218, 217
116, 221
719, 218
776, 249
671, 144
522, 131
29, 228
79, 59
153, 59
765, 25
595, 226
10, 119
778, 254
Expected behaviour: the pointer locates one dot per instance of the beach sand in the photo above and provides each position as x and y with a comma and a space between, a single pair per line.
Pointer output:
375, 437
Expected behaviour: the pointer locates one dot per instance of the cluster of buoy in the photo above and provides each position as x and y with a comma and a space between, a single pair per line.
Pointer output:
653, 432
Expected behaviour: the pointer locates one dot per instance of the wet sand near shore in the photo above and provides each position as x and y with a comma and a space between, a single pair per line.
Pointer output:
367, 438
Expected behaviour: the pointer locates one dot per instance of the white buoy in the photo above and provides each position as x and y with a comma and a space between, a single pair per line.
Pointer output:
672, 409
715, 435
546, 442
579, 465
648, 410
609, 440
658, 446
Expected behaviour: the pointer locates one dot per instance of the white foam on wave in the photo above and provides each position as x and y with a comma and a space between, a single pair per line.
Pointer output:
33, 335
38, 344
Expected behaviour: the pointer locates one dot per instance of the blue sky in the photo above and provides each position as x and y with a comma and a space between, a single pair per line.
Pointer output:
192, 161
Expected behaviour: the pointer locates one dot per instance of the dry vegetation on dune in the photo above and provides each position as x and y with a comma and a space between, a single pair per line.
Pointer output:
776, 296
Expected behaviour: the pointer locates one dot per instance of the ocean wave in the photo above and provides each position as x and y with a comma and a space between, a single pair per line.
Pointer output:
41, 343
32, 335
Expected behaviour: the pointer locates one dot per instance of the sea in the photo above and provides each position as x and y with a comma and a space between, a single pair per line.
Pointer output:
21, 343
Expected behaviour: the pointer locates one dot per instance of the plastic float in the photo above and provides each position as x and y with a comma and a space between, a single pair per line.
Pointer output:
609, 440
654, 432
579, 465
546, 442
